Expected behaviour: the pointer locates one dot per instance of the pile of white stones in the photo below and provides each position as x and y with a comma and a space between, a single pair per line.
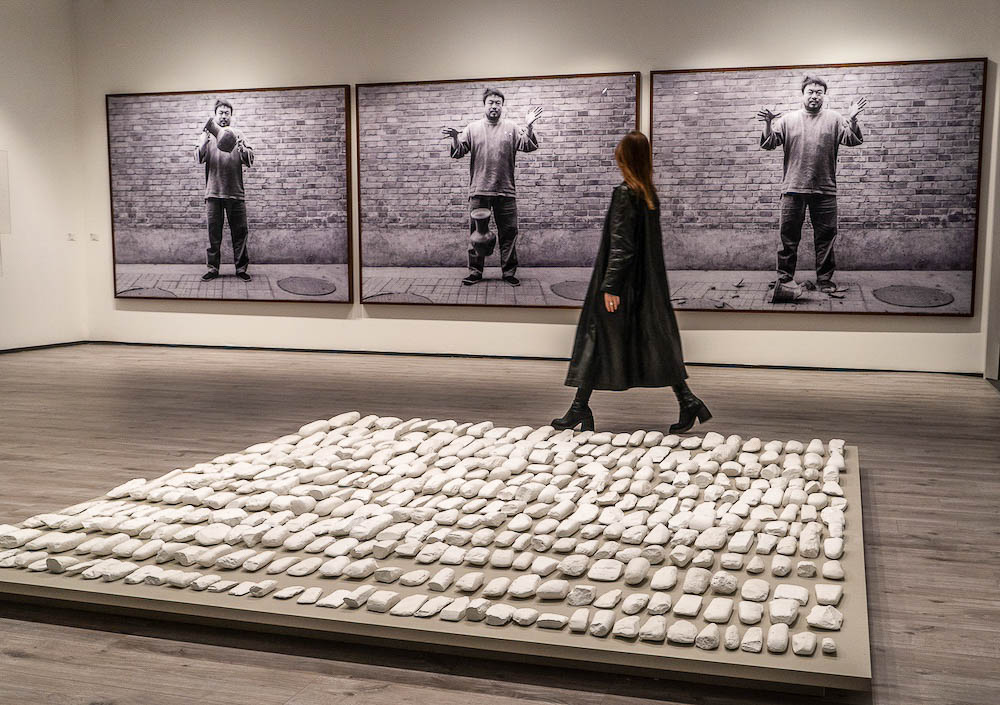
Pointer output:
600, 533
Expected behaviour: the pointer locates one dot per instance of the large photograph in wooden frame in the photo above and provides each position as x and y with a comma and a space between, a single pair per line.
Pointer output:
431, 156
890, 200
232, 194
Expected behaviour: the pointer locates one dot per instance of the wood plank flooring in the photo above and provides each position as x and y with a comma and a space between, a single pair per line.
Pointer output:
75, 421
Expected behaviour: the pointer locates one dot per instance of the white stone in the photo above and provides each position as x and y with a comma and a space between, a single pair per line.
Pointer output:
408, 606
724, 583
753, 640
755, 566
828, 594
433, 606
783, 611
497, 587
499, 614
636, 570
581, 595
829, 646
525, 586
825, 617
792, 592
549, 620
635, 603
833, 570
664, 579
731, 638
470, 582
755, 590
804, 644
606, 570
455, 611
682, 632
696, 581
709, 638
719, 610
552, 589
688, 605
777, 638
608, 600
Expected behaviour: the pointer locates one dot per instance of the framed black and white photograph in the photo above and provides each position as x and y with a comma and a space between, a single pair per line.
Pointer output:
848, 188
231, 194
487, 191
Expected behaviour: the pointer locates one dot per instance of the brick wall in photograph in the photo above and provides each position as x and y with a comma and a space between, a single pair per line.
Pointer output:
296, 192
906, 196
415, 197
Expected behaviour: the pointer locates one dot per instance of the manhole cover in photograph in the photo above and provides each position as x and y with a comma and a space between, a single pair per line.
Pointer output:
913, 296
307, 286
575, 291
390, 298
148, 293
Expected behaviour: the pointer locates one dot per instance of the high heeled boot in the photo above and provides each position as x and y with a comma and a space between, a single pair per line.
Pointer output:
691, 408
579, 412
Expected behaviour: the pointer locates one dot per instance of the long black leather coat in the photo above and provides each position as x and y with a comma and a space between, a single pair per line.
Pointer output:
638, 345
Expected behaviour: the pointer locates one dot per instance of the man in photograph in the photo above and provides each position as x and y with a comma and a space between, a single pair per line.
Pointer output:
224, 153
492, 144
811, 138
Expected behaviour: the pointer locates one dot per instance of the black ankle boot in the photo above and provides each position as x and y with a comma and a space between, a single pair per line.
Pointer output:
691, 408
578, 414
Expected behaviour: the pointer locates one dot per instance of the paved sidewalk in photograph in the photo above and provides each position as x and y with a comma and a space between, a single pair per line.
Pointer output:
271, 282
690, 290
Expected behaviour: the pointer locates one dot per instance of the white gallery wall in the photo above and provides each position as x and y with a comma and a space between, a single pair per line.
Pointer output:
141, 46
41, 271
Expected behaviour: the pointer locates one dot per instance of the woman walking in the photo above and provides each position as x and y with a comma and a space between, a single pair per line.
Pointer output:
627, 334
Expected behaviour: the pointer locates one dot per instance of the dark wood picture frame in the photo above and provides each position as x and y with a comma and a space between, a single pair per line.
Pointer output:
981, 62
348, 191
635, 75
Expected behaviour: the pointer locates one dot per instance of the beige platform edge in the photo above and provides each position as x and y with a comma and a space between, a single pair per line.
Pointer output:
849, 669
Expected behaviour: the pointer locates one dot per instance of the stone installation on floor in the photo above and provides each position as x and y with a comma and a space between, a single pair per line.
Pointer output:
698, 544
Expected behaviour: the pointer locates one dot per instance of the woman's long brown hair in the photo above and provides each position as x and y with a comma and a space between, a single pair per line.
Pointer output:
634, 158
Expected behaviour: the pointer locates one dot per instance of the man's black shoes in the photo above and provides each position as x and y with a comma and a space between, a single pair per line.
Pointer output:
473, 278
243, 276
512, 280
209, 275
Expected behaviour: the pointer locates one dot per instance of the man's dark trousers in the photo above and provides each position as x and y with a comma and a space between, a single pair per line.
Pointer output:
235, 210
505, 216
823, 214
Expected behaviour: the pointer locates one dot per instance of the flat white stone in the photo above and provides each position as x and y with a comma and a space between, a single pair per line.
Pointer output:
602, 623
636, 570
755, 590
626, 628
499, 614
829, 646
606, 570
664, 578
833, 570
549, 620
804, 643
682, 632
688, 605
635, 603
497, 587
608, 600
719, 610
753, 640
755, 566
552, 589
731, 638
433, 606
825, 617
777, 638
783, 611
696, 581
408, 606
470, 582
792, 592
709, 638
581, 595
455, 611
724, 583
828, 594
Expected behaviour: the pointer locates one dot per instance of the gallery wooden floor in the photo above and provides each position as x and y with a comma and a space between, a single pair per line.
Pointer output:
77, 420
